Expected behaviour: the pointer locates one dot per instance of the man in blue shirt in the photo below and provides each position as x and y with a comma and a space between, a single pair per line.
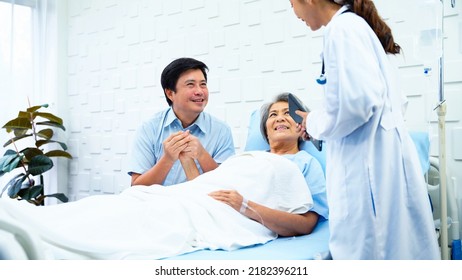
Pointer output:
182, 133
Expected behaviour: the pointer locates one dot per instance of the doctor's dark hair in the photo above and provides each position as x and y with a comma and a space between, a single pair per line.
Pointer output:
264, 113
367, 10
173, 71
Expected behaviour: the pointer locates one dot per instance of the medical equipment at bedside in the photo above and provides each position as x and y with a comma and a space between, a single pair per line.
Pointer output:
431, 51
322, 78
432, 178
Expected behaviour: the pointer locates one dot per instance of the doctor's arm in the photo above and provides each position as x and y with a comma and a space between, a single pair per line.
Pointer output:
354, 89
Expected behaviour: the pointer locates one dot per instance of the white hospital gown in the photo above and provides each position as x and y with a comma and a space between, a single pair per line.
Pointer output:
378, 202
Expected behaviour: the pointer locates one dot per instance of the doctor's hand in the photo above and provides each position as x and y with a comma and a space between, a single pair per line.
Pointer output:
301, 128
230, 197
175, 144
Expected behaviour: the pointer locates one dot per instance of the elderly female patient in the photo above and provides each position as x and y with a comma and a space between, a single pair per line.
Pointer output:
279, 129
251, 198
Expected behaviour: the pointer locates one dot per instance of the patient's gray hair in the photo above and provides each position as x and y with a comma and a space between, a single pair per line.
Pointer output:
264, 113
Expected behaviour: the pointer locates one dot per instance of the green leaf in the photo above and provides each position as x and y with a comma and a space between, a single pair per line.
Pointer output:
10, 152
51, 123
28, 183
9, 162
29, 153
13, 165
12, 181
22, 123
16, 139
5, 160
58, 153
26, 115
39, 164
35, 108
40, 143
29, 193
59, 196
46, 133
50, 117
16, 186
19, 131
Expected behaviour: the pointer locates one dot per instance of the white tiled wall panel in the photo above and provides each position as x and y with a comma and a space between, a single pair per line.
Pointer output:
456, 140
254, 48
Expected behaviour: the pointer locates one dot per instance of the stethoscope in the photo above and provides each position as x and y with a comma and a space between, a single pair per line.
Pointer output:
322, 78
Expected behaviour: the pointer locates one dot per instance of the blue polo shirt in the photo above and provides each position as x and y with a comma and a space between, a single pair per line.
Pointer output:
214, 135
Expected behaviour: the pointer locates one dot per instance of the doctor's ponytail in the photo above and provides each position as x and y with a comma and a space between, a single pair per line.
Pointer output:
366, 9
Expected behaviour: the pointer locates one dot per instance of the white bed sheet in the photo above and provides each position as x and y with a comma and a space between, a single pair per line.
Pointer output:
314, 246
157, 222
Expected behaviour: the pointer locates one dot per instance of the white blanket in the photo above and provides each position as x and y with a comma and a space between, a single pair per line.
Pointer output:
157, 222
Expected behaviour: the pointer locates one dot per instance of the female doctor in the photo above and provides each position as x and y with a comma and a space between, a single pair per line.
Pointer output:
379, 207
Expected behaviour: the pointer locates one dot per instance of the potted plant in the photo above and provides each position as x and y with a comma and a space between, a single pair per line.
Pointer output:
32, 161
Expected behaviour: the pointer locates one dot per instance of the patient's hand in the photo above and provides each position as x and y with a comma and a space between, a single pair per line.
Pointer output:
195, 151
194, 148
189, 166
230, 197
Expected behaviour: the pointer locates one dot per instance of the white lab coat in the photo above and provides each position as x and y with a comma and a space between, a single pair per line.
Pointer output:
378, 202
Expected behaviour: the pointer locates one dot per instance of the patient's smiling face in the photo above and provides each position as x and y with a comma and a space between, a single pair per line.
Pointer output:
280, 126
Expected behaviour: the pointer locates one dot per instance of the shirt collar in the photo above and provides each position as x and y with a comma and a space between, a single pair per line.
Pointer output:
339, 12
200, 121
170, 118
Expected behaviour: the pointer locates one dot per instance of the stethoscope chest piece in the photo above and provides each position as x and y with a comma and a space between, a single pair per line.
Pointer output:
321, 80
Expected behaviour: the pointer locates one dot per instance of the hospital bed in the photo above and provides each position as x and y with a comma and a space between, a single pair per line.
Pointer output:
308, 247
15, 243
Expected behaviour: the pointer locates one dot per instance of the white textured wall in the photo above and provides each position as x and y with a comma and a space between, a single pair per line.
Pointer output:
254, 49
